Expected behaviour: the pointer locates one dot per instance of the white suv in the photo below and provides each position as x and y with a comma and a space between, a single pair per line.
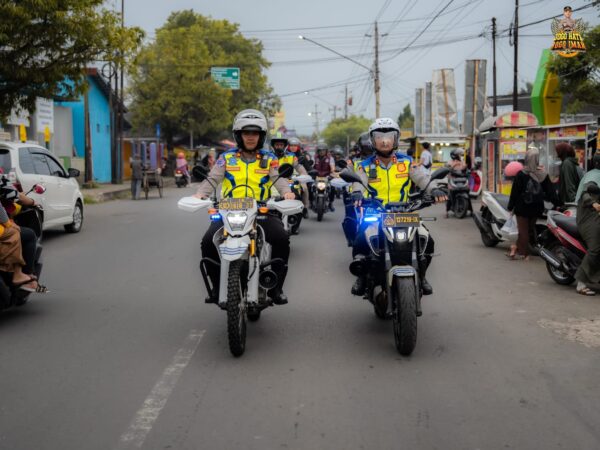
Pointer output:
29, 164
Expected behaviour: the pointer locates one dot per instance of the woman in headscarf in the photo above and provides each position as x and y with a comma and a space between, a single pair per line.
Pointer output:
588, 224
527, 207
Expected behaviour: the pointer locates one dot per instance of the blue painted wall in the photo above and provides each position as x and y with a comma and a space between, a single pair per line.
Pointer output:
99, 130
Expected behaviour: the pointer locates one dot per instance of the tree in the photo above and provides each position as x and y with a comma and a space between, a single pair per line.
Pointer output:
172, 85
340, 131
580, 75
527, 89
406, 118
45, 47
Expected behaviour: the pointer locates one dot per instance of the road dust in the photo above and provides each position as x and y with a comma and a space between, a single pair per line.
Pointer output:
583, 330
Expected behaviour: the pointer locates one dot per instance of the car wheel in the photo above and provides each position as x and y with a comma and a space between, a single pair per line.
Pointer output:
75, 226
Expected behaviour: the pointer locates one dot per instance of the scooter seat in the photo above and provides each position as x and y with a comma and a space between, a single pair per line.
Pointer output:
501, 199
569, 224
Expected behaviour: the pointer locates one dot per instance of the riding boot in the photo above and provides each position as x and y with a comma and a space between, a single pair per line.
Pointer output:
425, 286
276, 294
214, 274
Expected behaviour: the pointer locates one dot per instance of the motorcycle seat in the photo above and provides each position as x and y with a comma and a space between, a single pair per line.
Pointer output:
501, 199
569, 224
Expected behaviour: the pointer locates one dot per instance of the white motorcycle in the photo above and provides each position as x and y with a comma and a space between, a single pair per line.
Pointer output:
245, 268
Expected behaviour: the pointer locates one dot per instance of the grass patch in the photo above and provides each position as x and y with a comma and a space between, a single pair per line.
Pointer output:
89, 200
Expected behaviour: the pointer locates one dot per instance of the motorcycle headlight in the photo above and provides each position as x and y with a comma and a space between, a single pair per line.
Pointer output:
401, 235
237, 221
321, 186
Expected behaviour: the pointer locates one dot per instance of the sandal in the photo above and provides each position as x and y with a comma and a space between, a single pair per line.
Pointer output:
586, 291
23, 283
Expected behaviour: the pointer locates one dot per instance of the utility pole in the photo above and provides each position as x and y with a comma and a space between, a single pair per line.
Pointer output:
495, 94
121, 110
316, 116
346, 103
377, 84
334, 109
516, 64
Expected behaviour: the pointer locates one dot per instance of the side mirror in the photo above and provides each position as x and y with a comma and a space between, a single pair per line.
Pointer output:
349, 176
440, 173
40, 189
286, 171
200, 172
342, 164
73, 173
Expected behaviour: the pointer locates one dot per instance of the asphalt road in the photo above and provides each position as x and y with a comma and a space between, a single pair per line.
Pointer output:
123, 353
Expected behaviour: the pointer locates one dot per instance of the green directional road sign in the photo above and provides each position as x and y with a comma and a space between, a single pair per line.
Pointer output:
227, 77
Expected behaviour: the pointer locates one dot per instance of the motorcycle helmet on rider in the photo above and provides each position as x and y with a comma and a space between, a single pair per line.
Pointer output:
322, 149
457, 154
294, 145
250, 120
385, 132
365, 147
279, 143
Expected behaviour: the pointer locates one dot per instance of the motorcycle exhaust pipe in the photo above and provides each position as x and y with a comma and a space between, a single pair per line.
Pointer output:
292, 220
549, 257
357, 267
268, 279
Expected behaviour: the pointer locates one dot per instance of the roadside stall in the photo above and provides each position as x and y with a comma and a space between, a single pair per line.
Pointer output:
503, 139
545, 138
440, 146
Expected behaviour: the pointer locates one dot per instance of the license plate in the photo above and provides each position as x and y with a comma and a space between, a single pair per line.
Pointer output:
401, 219
236, 204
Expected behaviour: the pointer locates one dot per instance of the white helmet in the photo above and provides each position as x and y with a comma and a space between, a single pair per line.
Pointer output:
385, 125
250, 119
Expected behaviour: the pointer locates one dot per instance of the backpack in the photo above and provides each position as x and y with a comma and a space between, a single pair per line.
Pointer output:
533, 194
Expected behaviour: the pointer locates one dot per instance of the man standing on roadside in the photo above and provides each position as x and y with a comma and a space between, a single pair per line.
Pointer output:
136, 177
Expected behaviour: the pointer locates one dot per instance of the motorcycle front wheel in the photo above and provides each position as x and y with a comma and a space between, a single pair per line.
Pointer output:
236, 310
405, 315
320, 208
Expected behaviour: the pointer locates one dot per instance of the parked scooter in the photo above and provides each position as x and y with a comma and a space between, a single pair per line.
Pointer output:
493, 215
475, 179
246, 274
562, 248
29, 217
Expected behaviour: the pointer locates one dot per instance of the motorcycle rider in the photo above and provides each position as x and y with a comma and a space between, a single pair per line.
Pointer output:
255, 168
350, 224
456, 165
182, 165
281, 147
389, 173
325, 167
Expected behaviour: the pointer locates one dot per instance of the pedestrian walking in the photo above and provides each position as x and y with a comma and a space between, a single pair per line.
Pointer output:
570, 173
531, 186
426, 160
588, 225
137, 174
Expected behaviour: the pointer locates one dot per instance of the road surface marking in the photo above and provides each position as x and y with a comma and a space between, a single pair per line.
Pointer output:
144, 419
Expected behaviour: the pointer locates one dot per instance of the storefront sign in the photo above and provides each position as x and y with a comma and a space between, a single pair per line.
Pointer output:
578, 132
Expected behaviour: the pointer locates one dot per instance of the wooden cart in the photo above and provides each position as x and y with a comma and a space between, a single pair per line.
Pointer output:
152, 178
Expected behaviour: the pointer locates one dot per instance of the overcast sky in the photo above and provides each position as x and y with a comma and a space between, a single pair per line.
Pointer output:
343, 24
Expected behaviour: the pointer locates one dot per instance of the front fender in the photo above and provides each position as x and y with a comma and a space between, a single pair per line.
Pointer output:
234, 248
401, 272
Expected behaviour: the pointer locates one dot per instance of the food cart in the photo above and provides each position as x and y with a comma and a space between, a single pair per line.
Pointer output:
440, 146
545, 138
503, 139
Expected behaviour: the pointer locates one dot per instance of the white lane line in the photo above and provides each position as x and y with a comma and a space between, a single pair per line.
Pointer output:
144, 419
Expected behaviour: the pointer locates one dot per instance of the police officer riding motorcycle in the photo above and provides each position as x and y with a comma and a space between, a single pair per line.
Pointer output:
388, 175
248, 171
286, 151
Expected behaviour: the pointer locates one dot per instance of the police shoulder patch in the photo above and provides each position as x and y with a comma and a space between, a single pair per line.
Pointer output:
220, 162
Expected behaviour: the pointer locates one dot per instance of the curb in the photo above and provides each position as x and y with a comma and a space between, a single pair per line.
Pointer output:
104, 196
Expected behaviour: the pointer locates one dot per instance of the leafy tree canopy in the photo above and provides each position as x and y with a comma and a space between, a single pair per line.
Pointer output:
172, 85
340, 131
46, 45
406, 118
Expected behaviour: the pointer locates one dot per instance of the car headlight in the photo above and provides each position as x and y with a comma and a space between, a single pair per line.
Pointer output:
321, 186
237, 221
